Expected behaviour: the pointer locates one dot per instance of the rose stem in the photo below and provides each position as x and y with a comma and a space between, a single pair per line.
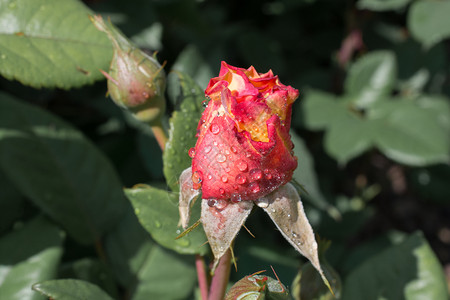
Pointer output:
201, 275
220, 278
159, 134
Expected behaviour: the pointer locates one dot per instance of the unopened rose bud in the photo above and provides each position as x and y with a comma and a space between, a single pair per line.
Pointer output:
136, 81
244, 150
257, 287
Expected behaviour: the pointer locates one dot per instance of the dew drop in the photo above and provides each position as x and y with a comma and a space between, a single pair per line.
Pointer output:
220, 225
215, 143
221, 191
212, 202
221, 158
293, 234
263, 203
256, 174
233, 149
192, 152
236, 198
197, 177
221, 204
254, 187
157, 224
209, 177
224, 178
178, 231
207, 149
215, 129
242, 165
268, 175
241, 179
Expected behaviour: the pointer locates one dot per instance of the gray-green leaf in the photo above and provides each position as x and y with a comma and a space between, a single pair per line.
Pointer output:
70, 289
157, 211
51, 43
428, 21
56, 167
407, 271
183, 126
28, 255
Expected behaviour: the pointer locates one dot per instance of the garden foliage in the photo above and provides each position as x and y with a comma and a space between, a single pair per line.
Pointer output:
89, 202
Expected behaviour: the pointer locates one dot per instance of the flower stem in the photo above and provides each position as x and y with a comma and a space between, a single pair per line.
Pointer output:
220, 278
159, 133
201, 275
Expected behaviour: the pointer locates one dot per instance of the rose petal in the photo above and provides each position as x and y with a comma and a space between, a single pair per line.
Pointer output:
187, 194
286, 210
222, 225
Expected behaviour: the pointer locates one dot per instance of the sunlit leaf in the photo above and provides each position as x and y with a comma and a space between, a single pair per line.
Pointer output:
70, 289
51, 43
157, 211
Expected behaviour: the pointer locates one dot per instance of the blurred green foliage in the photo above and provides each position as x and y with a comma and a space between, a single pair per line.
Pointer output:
371, 129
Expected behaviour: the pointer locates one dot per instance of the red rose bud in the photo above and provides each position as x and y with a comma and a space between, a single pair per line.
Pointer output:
136, 81
244, 151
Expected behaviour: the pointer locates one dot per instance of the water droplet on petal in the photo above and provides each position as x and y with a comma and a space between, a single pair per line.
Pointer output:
224, 178
192, 152
221, 158
221, 191
197, 177
263, 203
235, 198
242, 165
207, 149
221, 204
214, 128
212, 202
268, 175
209, 176
256, 174
215, 143
241, 179
220, 225
254, 187
294, 235
233, 149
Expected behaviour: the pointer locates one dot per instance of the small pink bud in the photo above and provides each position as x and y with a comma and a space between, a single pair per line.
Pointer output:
136, 81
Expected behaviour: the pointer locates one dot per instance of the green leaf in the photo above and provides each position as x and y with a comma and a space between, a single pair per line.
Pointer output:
59, 170
127, 247
11, 203
321, 109
191, 62
409, 134
428, 21
347, 138
382, 5
157, 211
28, 255
70, 289
51, 43
407, 271
183, 127
306, 176
165, 275
91, 270
371, 78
